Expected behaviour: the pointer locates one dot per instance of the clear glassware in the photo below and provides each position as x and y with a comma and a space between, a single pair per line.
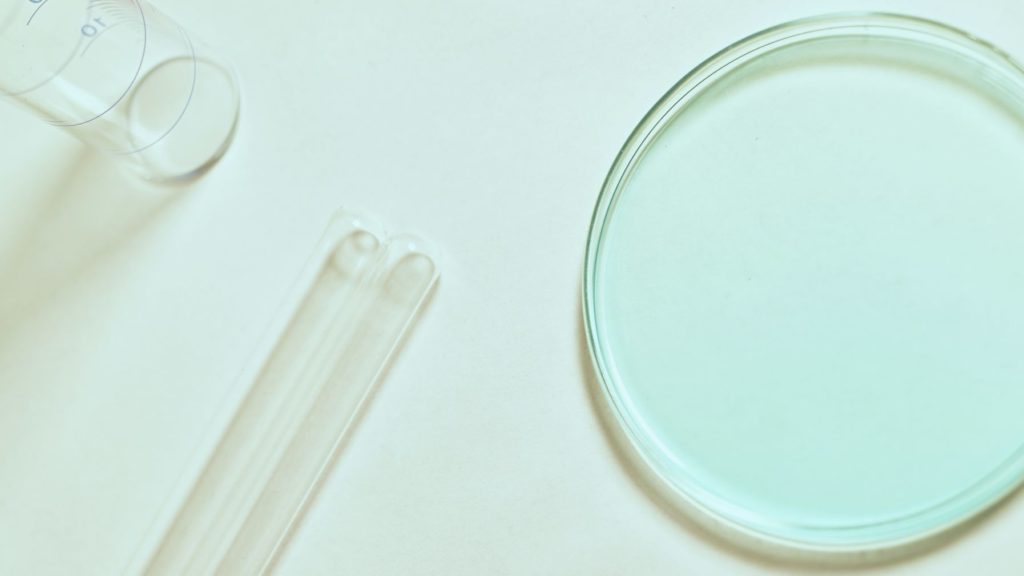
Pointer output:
122, 77
800, 290
346, 319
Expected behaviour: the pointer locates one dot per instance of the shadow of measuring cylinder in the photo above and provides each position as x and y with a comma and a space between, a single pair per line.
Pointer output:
121, 77
62, 214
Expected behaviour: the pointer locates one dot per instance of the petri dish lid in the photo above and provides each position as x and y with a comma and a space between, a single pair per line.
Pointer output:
802, 289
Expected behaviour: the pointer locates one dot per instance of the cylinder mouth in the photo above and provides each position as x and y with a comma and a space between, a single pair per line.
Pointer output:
182, 118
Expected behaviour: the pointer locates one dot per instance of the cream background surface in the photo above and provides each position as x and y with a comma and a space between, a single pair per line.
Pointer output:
126, 315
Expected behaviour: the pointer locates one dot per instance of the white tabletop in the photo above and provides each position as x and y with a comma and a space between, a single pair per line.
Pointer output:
126, 315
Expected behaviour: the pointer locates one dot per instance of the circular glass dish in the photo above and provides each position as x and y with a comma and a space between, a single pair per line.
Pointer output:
803, 289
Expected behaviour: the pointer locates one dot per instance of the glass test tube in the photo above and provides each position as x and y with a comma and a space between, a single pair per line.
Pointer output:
364, 293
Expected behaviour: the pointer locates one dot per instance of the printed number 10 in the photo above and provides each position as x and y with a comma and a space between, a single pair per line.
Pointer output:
90, 29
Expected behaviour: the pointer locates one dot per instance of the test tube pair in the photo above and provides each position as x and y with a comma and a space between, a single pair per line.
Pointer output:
357, 299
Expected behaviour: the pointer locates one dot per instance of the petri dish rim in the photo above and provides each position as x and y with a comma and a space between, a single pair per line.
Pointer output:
655, 462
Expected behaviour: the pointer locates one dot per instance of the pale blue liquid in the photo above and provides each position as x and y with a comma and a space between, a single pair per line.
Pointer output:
811, 290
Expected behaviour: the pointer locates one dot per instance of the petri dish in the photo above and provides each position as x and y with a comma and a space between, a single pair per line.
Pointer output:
802, 289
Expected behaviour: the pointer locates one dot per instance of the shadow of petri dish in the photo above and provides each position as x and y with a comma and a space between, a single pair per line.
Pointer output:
802, 286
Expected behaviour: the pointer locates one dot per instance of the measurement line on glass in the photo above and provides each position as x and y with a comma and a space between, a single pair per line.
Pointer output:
122, 76
101, 16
